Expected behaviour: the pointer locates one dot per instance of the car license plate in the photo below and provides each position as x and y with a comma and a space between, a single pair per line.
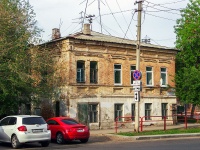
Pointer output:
80, 130
37, 130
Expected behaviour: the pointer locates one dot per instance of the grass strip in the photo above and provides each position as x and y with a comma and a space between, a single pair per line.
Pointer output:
159, 132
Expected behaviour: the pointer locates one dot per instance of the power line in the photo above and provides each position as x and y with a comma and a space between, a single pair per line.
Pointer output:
114, 17
85, 12
160, 5
173, 2
124, 16
159, 10
117, 12
160, 17
128, 26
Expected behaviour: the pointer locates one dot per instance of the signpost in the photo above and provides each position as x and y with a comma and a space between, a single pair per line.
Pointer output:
136, 96
138, 59
137, 87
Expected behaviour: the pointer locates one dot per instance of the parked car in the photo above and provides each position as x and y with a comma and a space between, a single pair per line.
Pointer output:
67, 129
20, 129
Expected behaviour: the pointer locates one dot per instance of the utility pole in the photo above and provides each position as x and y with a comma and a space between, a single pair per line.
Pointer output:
137, 122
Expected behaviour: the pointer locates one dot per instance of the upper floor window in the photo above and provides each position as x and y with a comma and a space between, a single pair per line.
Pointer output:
93, 72
149, 77
117, 74
80, 71
133, 68
163, 79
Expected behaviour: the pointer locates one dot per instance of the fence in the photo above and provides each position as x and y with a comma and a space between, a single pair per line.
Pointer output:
163, 120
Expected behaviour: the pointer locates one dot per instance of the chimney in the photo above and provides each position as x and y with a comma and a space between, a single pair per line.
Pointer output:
55, 33
86, 29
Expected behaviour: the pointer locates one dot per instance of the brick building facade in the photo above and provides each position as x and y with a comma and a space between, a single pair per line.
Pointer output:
96, 72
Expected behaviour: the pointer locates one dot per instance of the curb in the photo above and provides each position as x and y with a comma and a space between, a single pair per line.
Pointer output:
149, 137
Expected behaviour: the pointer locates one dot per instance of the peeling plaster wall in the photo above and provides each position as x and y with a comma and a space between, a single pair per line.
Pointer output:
106, 109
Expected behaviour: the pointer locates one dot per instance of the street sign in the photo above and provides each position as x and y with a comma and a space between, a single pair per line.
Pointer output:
137, 75
136, 82
136, 88
136, 96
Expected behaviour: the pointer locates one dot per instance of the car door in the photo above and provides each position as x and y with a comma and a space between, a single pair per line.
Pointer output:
1, 132
10, 128
3, 129
53, 126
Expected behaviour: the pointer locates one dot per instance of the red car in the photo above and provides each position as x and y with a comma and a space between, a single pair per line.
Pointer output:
67, 129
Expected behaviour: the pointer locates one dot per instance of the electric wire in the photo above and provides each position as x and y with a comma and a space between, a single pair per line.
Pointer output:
85, 12
123, 15
173, 2
159, 10
67, 28
103, 28
161, 17
128, 27
164, 6
114, 17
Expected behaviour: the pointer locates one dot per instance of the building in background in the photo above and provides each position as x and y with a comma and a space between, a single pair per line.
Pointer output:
96, 72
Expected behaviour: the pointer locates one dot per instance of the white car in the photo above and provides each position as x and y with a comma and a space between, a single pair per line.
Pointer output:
21, 129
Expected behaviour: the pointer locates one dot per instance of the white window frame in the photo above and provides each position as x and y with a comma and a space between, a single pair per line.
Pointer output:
94, 72
120, 112
164, 110
131, 72
161, 79
133, 112
148, 111
93, 113
120, 70
80, 74
149, 72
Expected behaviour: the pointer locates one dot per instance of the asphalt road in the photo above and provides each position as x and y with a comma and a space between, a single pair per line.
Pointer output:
105, 144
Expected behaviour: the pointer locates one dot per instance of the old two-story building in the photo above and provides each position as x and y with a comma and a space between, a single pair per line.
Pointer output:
97, 75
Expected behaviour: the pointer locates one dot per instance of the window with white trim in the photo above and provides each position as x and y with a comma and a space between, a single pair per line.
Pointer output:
80, 71
132, 68
149, 76
164, 110
118, 111
93, 72
163, 79
133, 111
117, 74
148, 111
93, 110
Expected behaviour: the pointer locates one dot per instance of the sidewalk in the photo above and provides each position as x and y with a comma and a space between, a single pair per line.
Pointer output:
111, 132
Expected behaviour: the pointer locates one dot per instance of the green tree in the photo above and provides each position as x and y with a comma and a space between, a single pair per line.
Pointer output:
21, 62
187, 76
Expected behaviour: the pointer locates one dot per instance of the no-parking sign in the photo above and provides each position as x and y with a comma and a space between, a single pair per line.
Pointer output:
137, 75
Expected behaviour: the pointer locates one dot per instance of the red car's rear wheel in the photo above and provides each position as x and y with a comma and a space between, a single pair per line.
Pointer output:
60, 138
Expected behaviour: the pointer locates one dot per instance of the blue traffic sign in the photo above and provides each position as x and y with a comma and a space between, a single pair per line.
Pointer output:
137, 75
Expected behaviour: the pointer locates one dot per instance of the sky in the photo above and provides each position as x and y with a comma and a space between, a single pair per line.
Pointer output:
111, 17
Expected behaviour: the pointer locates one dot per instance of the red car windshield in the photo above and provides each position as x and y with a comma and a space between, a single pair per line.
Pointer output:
69, 121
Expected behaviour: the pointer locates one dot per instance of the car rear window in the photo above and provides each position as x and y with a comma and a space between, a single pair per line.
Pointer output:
69, 121
33, 120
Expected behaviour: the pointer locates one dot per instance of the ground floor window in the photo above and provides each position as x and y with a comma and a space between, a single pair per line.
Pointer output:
148, 111
164, 110
133, 112
93, 112
118, 111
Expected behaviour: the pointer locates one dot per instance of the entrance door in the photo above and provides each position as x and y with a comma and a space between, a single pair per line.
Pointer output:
83, 113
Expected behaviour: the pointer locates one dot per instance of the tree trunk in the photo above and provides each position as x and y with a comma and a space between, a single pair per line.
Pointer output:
192, 110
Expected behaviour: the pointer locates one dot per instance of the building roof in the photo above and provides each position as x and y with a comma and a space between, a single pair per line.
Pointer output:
96, 36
